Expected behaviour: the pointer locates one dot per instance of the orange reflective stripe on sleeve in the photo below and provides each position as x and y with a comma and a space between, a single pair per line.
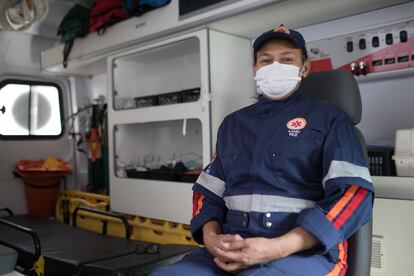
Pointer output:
196, 196
199, 204
333, 213
350, 209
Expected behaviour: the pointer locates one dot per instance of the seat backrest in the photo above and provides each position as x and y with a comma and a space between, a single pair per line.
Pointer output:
341, 89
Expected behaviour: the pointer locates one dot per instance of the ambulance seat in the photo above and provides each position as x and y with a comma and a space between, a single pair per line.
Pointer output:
340, 88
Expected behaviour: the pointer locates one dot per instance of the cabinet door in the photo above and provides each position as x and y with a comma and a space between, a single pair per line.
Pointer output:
158, 76
158, 110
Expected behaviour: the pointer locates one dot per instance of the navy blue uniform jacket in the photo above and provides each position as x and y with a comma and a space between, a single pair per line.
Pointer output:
282, 164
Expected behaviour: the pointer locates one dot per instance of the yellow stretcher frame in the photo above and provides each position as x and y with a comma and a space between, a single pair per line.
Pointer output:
142, 228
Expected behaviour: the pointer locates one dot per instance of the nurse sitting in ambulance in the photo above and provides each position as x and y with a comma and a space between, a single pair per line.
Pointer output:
288, 185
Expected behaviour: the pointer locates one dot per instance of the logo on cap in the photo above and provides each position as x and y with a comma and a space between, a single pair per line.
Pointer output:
281, 29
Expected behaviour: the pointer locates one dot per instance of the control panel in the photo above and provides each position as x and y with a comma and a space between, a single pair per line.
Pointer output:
375, 50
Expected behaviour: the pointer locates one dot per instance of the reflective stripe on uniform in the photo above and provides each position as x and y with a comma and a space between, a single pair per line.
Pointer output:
211, 183
346, 169
267, 203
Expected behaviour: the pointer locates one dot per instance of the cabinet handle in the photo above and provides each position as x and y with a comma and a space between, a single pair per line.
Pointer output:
185, 127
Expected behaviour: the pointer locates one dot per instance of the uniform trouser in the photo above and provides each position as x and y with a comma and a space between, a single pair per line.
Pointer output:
201, 263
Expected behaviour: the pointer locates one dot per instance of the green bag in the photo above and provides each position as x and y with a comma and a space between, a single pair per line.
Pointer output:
74, 24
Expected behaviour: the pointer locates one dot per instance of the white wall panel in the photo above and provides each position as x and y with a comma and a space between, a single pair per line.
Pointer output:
20, 59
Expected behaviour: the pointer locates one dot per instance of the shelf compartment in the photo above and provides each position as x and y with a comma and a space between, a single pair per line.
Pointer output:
170, 72
167, 149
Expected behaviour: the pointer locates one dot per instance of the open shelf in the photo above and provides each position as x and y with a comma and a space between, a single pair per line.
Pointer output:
166, 150
167, 74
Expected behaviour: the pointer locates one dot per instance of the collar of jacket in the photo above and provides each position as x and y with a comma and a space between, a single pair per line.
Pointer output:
264, 105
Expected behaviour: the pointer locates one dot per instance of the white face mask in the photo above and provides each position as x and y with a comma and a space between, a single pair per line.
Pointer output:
276, 80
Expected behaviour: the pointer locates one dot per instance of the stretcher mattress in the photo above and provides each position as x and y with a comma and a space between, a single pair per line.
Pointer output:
72, 251
135, 264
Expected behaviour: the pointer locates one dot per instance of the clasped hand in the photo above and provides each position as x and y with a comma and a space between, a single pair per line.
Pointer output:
233, 253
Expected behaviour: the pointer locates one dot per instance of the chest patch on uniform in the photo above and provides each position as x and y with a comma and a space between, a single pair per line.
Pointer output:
295, 125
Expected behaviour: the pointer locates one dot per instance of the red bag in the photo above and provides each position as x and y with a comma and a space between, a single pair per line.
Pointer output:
106, 13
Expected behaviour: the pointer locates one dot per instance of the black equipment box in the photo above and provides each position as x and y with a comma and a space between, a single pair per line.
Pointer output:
380, 161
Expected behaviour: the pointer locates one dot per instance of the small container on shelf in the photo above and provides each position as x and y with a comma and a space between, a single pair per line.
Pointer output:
146, 101
169, 98
191, 95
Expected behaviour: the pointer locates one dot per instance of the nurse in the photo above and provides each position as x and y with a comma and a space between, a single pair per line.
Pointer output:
288, 185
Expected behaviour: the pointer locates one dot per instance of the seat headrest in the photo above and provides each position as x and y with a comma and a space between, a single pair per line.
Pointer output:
338, 87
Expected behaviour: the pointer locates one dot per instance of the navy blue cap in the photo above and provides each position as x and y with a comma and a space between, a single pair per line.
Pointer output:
281, 33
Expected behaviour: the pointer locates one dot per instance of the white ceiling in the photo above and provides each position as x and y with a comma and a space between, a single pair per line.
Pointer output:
296, 14
48, 27
292, 13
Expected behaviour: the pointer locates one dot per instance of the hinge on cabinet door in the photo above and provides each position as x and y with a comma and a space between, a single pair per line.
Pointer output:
205, 99
114, 65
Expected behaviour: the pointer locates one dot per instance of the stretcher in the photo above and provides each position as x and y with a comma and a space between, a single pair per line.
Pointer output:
48, 247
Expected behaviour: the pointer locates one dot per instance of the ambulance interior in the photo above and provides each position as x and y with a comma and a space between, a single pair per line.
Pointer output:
151, 92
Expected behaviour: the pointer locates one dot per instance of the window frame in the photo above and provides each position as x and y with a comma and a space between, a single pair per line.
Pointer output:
5, 82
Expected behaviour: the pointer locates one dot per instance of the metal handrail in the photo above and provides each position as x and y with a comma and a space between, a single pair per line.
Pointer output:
31, 232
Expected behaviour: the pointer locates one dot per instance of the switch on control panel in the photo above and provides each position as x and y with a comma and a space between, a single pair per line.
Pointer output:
389, 39
403, 36
375, 41
349, 46
362, 44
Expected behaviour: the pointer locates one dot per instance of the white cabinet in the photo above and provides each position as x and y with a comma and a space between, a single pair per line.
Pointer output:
393, 237
88, 54
167, 101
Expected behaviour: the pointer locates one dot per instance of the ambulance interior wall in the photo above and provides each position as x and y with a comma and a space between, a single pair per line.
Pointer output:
20, 59
388, 105
387, 99
86, 91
